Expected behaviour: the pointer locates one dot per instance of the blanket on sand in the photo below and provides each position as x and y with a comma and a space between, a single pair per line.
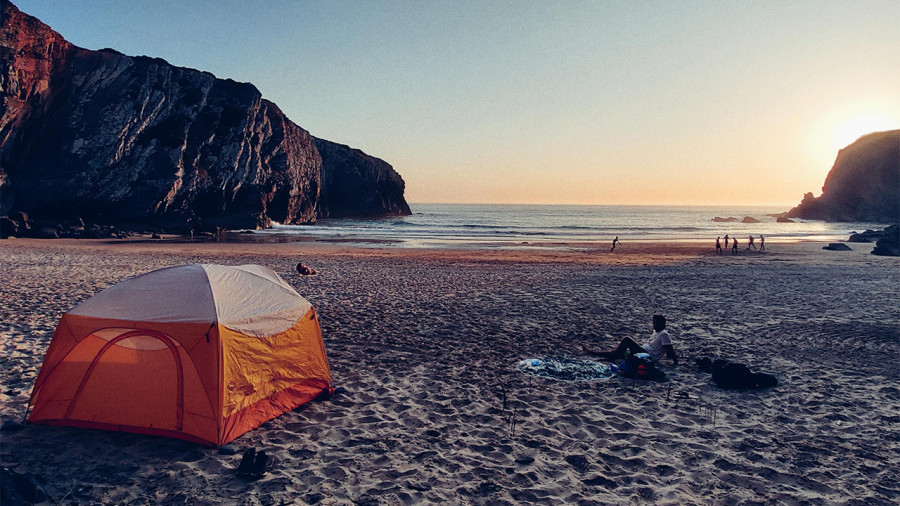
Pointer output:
566, 369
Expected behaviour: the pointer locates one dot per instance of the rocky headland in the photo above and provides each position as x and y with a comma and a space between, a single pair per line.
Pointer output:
862, 186
98, 137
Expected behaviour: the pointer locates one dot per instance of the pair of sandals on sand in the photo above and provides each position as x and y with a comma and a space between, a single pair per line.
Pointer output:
253, 464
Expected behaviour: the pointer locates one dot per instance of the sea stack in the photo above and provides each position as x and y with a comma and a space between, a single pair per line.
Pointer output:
863, 185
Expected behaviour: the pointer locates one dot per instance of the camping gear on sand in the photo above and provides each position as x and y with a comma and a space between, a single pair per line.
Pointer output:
640, 366
733, 375
567, 369
198, 352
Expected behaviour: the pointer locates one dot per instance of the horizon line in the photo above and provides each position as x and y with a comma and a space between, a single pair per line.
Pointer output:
788, 206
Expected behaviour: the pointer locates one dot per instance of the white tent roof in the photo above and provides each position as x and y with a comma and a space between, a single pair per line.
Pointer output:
248, 298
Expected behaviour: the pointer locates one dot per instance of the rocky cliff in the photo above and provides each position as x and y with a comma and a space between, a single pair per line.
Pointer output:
863, 185
355, 184
114, 138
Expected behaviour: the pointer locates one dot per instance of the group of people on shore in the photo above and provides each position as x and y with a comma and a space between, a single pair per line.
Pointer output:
734, 247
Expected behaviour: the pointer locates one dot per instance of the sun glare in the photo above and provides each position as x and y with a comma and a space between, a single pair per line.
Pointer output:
854, 128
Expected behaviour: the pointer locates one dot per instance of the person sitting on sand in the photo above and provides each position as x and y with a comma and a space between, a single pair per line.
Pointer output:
305, 270
659, 345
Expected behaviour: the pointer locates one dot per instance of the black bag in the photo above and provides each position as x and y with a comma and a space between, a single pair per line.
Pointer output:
731, 375
641, 368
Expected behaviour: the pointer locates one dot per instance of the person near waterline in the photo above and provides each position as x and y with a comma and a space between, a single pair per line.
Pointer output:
718, 246
750, 244
726, 241
615, 241
734, 243
762, 242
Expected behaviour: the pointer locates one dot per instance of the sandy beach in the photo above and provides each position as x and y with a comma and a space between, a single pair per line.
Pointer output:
425, 342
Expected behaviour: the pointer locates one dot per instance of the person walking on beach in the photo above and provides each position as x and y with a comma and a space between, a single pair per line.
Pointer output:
750, 244
718, 246
762, 242
659, 345
615, 241
734, 246
726, 241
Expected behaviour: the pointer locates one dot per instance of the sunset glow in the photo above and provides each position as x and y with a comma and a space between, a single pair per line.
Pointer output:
547, 102
857, 126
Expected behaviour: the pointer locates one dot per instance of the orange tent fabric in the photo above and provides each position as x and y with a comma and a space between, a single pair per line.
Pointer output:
198, 352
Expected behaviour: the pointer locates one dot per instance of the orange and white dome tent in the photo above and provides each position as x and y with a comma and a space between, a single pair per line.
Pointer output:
198, 352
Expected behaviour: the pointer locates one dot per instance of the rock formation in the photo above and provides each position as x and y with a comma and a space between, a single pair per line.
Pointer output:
867, 236
355, 184
889, 243
113, 138
863, 185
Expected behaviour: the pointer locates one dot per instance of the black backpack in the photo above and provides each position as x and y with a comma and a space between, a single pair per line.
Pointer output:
732, 375
641, 368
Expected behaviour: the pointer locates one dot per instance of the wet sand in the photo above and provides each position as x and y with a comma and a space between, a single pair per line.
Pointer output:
425, 343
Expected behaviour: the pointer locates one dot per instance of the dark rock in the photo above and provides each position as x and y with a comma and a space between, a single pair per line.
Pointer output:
20, 217
46, 233
863, 184
784, 219
719, 219
11, 425
120, 139
8, 227
867, 236
228, 450
355, 184
837, 246
155, 236
889, 244
20, 488
749, 219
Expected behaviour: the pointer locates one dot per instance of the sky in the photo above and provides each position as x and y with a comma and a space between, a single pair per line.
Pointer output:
546, 102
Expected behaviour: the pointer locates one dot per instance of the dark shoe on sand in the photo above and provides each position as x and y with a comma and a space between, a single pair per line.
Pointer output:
260, 465
247, 461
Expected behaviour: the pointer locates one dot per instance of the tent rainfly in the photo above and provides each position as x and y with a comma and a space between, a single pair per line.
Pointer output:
198, 352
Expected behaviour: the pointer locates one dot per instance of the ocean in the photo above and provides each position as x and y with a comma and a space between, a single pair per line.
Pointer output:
512, 226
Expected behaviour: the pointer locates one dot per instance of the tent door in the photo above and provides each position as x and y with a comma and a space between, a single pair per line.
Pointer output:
135, 380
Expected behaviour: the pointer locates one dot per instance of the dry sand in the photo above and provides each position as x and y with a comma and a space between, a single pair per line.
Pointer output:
426, 341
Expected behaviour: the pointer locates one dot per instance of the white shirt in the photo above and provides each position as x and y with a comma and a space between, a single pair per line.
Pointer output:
655, 345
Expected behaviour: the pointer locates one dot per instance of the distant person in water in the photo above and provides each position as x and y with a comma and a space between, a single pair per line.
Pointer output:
762, 242
718, 246
750, 244
726, 241
615, 241
734, 246
658, 346
305, 270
